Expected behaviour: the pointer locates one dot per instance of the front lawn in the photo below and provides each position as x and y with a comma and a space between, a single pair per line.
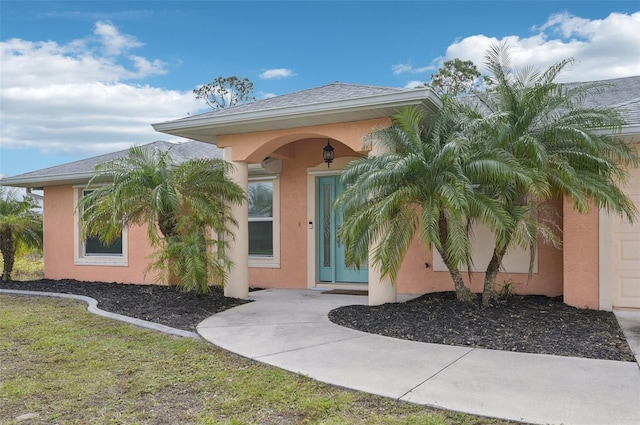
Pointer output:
60, 364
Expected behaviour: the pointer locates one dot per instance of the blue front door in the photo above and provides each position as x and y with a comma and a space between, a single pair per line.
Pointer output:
331, 259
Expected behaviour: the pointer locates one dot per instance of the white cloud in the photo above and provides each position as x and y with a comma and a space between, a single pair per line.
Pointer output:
276, 73
602, 48
401, 68
78, 97
265, 95
414, 84
113, 41
568, 25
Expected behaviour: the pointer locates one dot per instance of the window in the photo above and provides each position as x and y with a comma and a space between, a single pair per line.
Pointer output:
260, 199
91, 251
264, 244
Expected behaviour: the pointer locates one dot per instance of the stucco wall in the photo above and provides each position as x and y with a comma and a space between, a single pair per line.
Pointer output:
59, 245
581, 257
416, 278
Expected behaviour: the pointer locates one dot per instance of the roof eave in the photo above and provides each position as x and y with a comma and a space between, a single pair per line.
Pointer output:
631, 130
630, 133
43, 181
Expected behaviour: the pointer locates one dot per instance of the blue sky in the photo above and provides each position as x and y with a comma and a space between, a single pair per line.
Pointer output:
81, 78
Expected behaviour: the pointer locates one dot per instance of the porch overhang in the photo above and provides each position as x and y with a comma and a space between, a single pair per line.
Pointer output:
206, 128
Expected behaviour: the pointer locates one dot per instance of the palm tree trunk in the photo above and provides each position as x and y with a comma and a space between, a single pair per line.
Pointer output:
167, 226
8, 249
490, 277
463, 293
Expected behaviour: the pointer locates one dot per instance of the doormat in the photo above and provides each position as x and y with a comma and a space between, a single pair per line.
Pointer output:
347, 292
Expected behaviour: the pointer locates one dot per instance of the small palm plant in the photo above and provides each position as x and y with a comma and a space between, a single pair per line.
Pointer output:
185, 207
424, 185
20, 227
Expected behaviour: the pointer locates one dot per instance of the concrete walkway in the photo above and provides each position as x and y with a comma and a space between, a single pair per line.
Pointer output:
290, 329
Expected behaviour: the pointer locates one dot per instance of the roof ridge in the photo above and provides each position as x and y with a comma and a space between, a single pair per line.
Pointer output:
276, 101
373, 86
335, 83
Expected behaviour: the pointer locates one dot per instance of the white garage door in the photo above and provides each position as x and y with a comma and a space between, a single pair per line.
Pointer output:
626, 253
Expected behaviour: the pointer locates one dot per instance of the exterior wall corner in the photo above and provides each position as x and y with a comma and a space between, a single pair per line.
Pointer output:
581, 257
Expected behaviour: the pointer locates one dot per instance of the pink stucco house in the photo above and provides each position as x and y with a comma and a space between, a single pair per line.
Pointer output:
276, 146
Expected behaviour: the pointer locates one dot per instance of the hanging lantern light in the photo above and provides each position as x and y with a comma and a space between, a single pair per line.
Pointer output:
328, 153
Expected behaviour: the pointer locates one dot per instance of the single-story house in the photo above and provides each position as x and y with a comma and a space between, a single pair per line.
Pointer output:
277, 145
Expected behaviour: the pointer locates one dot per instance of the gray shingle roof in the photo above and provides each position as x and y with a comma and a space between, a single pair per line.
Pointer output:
617, 90
328, 93
630, 111
181, 152
622, 94
83, 169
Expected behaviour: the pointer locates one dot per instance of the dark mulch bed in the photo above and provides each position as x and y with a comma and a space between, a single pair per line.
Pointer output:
527, 324
530, 324
160, 304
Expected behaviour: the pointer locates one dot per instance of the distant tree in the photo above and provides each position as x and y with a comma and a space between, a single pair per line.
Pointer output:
185, 206
457, 77
20, 226
223, 92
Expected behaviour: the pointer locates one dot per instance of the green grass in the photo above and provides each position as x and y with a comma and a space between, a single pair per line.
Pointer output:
70, 367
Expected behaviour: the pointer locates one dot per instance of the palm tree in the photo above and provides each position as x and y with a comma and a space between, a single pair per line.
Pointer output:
20, 226
186, 209
424, 186
548, 129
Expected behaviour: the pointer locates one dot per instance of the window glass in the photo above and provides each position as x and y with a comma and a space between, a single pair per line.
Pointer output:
94, 247
260, 200
261, 238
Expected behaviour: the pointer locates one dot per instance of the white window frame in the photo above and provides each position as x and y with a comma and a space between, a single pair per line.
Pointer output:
273, 261
80, 258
